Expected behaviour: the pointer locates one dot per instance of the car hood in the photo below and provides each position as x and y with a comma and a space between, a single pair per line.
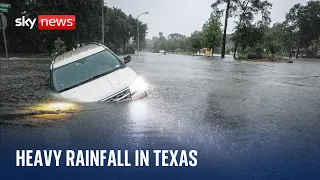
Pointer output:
102, 87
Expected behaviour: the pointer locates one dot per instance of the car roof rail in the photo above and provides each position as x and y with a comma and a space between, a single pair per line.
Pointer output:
95, 43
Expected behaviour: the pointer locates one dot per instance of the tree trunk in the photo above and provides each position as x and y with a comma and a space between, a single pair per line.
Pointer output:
290, 46
235, 50
241, 18
223, 51
236, 45
298, 49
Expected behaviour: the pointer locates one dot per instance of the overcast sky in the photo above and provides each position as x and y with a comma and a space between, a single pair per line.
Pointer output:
185, 16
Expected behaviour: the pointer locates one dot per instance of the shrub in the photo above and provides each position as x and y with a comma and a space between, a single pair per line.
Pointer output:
59, 47
254, 56
130, 50
259, 52
242, 56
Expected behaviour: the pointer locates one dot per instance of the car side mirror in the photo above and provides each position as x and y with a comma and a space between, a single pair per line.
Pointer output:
127, 59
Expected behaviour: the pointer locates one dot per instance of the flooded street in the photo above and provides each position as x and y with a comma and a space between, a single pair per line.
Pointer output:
247, 120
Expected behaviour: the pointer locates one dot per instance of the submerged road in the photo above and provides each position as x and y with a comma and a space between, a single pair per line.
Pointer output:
246, 120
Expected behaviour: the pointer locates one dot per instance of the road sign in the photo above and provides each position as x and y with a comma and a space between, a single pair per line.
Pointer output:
5, 6
3, 10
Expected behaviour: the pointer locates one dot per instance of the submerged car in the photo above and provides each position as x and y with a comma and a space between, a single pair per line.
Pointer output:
93, 73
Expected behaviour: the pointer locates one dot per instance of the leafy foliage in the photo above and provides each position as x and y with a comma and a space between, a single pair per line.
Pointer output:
300, 32
211, 31
195, 41
209, 37
279, 38
119, 27
244, 10
59, 47
304, 22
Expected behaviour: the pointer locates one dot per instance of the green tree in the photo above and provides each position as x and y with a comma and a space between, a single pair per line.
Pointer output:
279, 38
244, 10
151, 43
142, 32
118, 25
195, 41
230, 8
171, 45
161, 43
26, 40
211, 31
117, 31
305, 23
176, 41
250, 38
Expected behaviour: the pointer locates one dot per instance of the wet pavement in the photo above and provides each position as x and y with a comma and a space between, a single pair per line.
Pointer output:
247, 120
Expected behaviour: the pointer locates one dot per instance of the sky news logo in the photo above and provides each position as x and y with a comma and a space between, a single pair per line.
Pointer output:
48, 22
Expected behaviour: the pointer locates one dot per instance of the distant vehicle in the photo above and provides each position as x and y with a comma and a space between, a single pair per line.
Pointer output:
161, 51
94, 73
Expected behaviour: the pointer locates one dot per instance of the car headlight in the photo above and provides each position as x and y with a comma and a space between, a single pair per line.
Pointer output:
138, 85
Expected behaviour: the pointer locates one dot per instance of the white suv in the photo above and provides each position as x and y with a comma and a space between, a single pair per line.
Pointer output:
94, 73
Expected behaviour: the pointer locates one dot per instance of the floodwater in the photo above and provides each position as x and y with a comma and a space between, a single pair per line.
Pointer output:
247, 120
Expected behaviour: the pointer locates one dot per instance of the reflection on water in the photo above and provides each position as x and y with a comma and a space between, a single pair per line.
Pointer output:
56, 107
138, 111
138, 115
39, 114
55, 111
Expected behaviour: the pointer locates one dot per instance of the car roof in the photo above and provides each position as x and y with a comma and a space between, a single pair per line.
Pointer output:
76, 54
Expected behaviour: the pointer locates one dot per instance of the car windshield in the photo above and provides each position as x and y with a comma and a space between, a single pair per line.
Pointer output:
84, 70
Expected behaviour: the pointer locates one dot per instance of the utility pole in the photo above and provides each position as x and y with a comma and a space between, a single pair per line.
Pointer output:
138, 40
3, 25
138, 35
